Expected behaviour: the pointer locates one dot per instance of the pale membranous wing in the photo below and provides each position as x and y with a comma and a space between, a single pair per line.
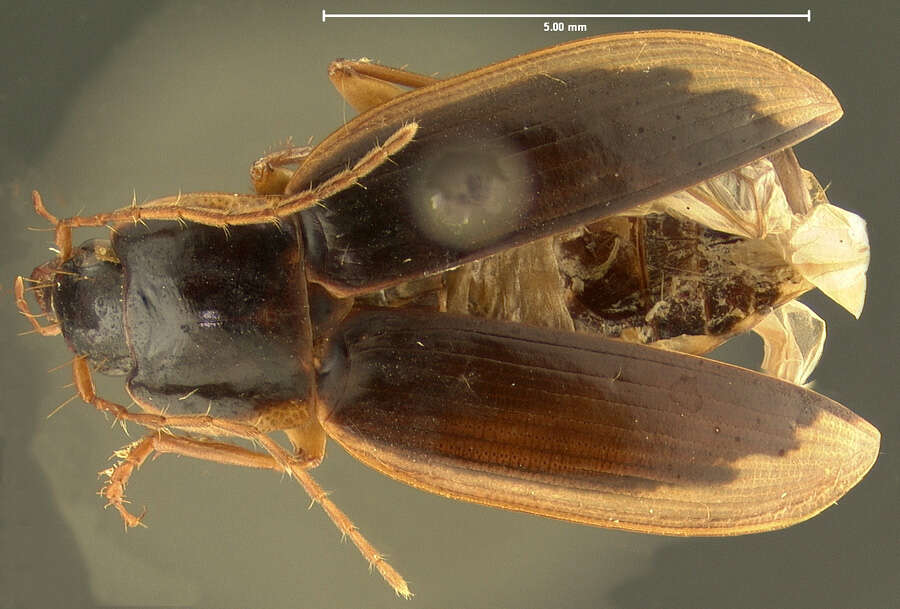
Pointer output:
685, 272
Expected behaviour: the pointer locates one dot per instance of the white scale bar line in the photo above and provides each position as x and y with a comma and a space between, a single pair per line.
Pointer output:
807, 15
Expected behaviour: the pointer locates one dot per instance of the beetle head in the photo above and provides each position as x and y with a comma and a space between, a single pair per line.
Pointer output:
84, 295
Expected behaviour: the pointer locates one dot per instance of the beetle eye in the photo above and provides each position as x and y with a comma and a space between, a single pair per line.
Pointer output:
469, 197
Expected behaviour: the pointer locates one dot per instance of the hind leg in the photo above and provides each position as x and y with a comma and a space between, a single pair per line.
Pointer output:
365, 85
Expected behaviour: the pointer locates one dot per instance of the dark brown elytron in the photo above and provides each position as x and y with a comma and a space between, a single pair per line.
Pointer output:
431, 284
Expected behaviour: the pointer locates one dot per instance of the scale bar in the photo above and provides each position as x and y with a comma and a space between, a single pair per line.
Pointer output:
807, 15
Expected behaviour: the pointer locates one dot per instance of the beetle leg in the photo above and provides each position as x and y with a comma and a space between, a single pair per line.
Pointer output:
133, 456
308, 442
270, 174
365, 85
63, 229
225, 209
22, 304
278, 459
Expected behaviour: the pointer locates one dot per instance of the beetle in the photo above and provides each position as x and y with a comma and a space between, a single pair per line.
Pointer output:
238, 315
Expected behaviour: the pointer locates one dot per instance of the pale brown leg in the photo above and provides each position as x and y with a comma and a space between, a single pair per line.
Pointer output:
308, 442
397, 76
278, 459
134, 455
224, 209
365, 85
271, 173
22, 304
63, 230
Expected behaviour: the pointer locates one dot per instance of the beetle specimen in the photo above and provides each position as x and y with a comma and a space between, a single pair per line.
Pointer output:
339, 300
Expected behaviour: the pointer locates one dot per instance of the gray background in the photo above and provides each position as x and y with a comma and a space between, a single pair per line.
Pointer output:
105, 99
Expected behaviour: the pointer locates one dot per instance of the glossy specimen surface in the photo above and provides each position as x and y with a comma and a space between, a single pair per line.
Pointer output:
586, 429
221, 339
546, 141
216, 321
